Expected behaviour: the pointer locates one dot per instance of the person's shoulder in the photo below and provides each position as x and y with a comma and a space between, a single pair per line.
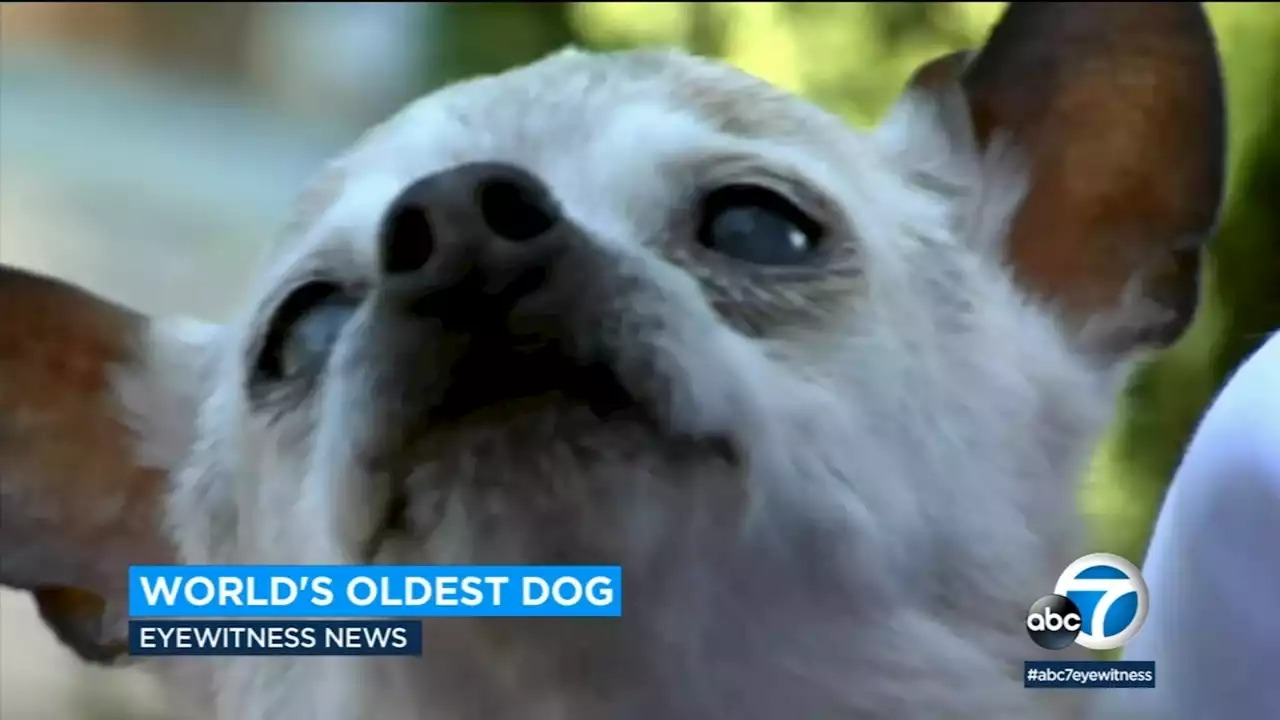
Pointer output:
1258, 376
1239, 436
1208, 561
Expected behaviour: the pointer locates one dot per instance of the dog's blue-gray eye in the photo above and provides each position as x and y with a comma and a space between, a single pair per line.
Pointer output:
304, 330
757, 225
313, 336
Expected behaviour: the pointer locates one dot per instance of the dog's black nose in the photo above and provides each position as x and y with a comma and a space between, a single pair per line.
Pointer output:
479, 224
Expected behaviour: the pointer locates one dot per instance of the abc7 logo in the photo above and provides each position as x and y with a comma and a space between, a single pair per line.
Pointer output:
1099, 603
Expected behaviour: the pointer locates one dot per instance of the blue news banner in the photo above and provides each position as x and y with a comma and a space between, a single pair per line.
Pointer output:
344, 610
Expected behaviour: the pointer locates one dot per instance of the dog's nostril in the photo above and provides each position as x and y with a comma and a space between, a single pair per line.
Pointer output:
515, 211
407, 241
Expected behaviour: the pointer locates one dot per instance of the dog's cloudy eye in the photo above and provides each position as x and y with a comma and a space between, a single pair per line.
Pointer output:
757, 225
304, 330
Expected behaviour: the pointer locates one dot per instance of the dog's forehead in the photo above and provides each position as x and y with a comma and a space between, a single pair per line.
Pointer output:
561, 109
593, 126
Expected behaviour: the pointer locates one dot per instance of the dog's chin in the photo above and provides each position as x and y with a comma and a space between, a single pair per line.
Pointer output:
525, 442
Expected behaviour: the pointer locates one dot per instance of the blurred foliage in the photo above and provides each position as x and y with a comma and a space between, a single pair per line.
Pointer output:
853, 58
482, 38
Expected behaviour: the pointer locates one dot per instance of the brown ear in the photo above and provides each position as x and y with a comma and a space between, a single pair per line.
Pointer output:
76, 506
941, 72
1119, 110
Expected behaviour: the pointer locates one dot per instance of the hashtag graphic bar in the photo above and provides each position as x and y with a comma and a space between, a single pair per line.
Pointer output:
1089, 674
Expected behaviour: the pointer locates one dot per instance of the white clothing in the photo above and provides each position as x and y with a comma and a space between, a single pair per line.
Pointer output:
1213, 565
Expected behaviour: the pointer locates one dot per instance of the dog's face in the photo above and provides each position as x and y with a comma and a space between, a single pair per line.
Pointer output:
642, 308
548, 315
576, 311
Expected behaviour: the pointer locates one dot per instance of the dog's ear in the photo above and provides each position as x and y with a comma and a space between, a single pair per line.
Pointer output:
81, 493
1117, 110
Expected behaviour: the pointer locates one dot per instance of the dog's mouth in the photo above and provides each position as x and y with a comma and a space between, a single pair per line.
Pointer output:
492, 384
536, 391
510, 413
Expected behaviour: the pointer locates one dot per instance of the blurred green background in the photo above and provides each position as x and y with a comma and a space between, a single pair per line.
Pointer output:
147, 149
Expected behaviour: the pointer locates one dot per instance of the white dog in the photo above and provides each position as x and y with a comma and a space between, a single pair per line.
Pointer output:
823, 395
